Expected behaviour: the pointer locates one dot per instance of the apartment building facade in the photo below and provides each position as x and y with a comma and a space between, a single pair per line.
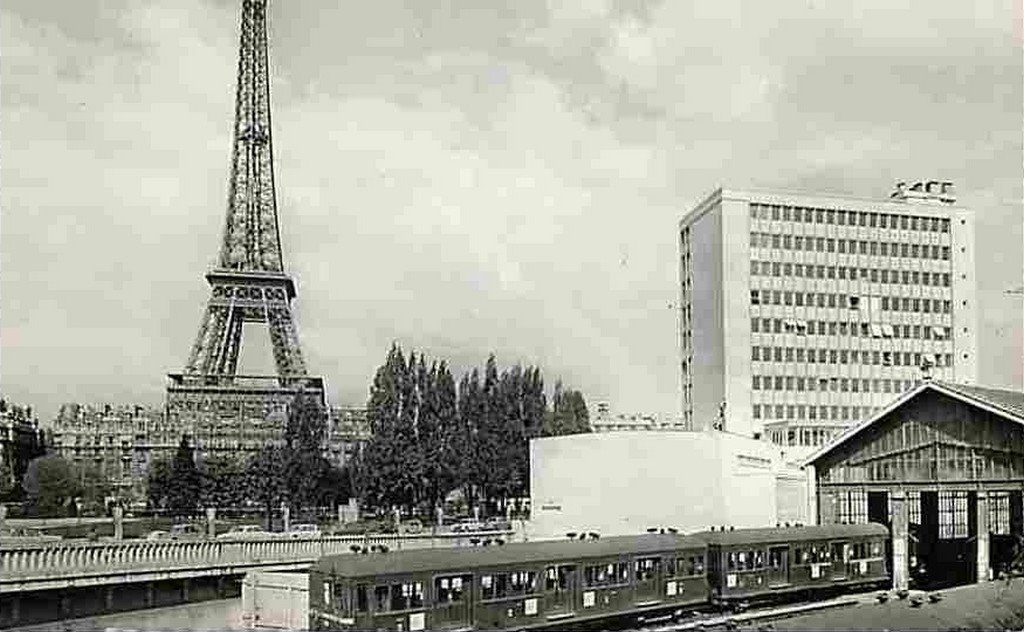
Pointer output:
801, 314
119, 441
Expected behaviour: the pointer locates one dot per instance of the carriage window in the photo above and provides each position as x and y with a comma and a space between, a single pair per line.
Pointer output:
556, 578
775, 558
688, 566
599, 575
407, 595
380, 601
840, 552
645, 568
799, 556
362, 602
341, 597
605, 574
823, 553
758, 558
522, 583
450, 589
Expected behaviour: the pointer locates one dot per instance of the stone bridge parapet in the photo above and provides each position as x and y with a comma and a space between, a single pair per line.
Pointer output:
51, 565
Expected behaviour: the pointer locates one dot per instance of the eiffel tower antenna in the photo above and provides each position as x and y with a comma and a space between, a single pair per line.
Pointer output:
249, 283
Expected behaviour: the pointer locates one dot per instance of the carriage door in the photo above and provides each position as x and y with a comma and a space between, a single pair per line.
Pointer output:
453, 596
559, 590
778, 565
646, 575
840, 556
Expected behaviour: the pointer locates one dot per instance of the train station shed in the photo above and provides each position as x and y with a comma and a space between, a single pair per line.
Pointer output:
943, 466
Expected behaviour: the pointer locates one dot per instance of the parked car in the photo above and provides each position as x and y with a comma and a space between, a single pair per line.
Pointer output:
185, 532
412, 526
244, 532
157, 535
468, 525
497, 523
304, 530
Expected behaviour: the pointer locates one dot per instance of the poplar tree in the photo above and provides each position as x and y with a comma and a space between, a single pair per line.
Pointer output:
183, 494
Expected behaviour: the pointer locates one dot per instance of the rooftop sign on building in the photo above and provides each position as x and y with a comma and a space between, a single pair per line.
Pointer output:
930, 191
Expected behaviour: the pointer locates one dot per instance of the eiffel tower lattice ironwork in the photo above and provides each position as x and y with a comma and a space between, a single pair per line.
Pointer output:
249, 283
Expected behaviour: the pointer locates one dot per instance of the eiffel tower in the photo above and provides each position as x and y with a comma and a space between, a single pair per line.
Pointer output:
221, 410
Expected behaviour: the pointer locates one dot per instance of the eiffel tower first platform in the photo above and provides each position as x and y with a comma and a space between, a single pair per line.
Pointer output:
221, 410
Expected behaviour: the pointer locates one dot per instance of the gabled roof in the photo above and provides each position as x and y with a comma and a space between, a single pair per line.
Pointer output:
1005, 403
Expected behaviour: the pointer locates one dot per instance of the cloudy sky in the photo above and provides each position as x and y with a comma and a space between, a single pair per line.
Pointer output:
467, 177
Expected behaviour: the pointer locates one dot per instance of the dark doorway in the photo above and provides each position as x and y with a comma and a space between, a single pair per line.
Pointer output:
925, 536
946, 541
878, 511
878, 507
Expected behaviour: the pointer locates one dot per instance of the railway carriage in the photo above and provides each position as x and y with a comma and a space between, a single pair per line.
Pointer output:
752, 565
565, 584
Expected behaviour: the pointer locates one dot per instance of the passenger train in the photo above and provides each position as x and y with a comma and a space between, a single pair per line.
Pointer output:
592, 582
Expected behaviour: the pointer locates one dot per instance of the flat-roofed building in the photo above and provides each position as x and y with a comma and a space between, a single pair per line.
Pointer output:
802, 314
624, 483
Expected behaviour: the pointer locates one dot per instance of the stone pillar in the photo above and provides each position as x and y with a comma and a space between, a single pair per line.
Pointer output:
900, 541
3, 519
476, 513
984, 573
286, 518
211, 522
811, 489
341, 514
439, 510
118, 522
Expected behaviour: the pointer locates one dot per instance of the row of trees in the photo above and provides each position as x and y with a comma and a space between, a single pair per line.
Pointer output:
53, 486
430, 437
295, 473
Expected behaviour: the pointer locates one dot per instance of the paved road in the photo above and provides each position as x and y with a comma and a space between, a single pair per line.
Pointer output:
224, 614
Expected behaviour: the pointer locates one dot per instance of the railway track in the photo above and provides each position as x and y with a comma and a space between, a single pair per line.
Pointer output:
764, 615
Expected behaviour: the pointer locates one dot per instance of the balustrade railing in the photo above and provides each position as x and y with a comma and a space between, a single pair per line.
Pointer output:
69, 559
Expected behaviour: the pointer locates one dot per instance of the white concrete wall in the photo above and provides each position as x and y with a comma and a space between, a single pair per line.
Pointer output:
708, 364
625, 482
276, 600
735, 298
965, 316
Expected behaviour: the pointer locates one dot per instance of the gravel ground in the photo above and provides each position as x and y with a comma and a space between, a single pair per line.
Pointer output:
997, 605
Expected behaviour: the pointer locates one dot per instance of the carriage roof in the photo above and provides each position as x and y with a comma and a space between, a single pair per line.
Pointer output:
457, 559
792, 534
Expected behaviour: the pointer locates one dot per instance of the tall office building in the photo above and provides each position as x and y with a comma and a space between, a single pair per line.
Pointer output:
802, 314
